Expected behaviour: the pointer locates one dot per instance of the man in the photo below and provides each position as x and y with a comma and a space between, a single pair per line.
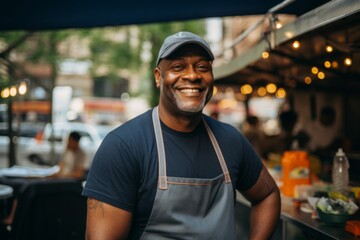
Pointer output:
171, 172
324, 132
73, 159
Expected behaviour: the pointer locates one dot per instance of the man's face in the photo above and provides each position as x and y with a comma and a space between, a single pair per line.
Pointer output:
185, 80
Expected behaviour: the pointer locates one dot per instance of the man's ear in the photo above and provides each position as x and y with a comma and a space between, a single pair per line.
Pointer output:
157, 77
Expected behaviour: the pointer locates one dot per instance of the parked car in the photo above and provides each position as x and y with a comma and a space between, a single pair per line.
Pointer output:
23, 134
50, 143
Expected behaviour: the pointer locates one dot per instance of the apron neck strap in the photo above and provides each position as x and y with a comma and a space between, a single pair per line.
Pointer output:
163, 184
160, 148
218, 152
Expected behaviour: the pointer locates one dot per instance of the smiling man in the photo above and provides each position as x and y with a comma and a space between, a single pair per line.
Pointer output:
171, 173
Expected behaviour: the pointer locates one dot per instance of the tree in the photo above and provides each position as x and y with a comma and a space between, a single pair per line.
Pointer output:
112, 48
20, 49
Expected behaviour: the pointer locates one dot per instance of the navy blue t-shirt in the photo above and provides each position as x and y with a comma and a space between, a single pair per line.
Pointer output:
124, 171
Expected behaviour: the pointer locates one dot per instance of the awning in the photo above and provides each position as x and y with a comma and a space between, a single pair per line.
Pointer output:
59, 14
336, 23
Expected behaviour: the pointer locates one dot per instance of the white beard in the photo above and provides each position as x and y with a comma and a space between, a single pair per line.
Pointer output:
185, 107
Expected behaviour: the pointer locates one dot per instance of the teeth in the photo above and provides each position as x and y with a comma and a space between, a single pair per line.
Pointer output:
189, 90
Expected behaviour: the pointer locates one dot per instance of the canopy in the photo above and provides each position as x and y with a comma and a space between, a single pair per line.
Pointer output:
336, 23
60, 14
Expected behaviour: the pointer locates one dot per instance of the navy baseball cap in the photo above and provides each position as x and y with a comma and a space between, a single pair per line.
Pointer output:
173, 42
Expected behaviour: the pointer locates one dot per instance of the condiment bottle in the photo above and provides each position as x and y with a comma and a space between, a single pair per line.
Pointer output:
296, 171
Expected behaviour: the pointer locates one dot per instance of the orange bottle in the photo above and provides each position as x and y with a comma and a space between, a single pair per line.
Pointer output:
295, 171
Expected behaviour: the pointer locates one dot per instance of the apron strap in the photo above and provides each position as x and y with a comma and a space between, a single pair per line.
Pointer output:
218, 152
162, 179
163, 184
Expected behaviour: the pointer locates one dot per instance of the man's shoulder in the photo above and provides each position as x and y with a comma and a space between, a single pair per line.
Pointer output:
136, 124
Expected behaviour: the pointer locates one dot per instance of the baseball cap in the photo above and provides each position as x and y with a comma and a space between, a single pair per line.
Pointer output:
173, 42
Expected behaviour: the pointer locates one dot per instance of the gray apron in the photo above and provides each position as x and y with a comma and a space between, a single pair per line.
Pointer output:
191, 208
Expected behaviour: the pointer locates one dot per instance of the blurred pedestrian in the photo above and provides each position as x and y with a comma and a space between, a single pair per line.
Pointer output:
73, 159
253, 133
284, 139
324, 134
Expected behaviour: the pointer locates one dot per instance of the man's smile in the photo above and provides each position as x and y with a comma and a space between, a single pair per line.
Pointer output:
190, 90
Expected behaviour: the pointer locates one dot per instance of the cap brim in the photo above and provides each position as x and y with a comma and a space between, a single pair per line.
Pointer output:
176, 46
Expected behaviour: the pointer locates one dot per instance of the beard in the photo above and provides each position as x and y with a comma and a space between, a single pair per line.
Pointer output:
189, 107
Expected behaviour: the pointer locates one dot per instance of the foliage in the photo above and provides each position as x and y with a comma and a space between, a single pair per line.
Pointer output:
110, 48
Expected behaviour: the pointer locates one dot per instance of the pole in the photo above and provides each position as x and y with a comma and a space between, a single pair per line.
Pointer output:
11, 153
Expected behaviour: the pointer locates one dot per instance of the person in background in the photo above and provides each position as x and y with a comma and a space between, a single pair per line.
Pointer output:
324, 140
73, 159
71, 166
171, 172
253, 133
283, 141
288, 121
323, 132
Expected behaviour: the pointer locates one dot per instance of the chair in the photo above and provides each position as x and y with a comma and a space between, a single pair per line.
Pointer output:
50, 209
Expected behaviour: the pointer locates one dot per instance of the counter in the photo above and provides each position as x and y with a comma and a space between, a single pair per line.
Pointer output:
311, 228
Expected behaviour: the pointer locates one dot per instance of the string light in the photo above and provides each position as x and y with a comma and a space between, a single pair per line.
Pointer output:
278, 25
314, 70
13, 91
334, 64
280, 93
327, 64
5, 93
246, 89
271, 88
261, 91
296, 44
265, 54
347, 61
276, 22
307, 80
321, 75
329, 48
19, 88
227, 103
22, 88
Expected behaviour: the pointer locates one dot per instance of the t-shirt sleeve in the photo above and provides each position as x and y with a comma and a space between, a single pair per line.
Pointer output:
113, 177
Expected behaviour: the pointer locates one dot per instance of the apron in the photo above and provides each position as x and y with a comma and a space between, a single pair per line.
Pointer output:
191, 208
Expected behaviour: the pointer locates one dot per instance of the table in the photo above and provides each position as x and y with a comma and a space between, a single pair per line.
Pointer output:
13, 179
6, 192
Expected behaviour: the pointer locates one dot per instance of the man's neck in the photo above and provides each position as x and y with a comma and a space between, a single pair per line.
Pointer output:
181, 123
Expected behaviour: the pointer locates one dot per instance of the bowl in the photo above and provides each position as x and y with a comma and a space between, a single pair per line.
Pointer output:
332, 218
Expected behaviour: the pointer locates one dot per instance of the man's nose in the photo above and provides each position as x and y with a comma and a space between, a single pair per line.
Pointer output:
191, 74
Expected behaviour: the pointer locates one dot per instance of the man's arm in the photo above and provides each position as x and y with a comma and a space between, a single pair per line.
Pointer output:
106, 222
266, 203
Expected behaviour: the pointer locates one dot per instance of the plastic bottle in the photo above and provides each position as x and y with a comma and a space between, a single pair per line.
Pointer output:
340, 172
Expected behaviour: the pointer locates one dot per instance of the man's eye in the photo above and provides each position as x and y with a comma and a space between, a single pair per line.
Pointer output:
177, 67
203, 68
